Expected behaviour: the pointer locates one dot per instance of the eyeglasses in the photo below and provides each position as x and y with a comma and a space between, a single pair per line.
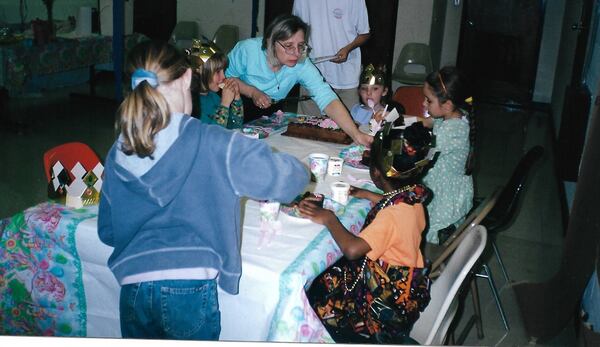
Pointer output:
290, 49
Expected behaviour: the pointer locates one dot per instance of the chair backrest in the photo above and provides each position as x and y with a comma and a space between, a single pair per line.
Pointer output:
69, 154
226, 37
507, 202
432, 325
414, 64
183, 33
411, 97
473, 219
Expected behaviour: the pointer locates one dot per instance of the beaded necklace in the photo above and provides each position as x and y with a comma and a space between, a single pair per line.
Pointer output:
410, 194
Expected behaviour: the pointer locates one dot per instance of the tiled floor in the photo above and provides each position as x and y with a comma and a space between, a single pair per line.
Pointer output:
531, 247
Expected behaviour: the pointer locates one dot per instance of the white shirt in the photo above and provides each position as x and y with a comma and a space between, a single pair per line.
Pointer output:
333, 25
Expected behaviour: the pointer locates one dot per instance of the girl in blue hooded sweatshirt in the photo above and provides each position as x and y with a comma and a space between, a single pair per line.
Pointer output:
170, 201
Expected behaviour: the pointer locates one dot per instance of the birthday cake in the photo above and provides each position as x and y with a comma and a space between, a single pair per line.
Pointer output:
317, 128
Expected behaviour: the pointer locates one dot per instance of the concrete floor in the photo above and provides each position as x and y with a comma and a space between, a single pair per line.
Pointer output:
531, 247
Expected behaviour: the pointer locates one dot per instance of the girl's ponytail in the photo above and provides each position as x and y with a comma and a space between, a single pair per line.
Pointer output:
145, 111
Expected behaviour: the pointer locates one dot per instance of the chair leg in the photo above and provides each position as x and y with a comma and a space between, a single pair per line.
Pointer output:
487, 274
476, 308
499, 258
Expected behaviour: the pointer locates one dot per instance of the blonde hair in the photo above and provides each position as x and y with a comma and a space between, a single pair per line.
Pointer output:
145, 111
282, 28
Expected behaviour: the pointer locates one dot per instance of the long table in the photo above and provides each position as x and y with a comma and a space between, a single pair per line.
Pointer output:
271, 304
21, 60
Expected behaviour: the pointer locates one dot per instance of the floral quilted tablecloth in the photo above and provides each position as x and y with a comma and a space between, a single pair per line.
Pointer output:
41, 289
21, 60
294, 320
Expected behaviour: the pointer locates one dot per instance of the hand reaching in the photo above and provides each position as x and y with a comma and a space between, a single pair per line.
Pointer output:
363, 139
261, 99
365, 194
308, 207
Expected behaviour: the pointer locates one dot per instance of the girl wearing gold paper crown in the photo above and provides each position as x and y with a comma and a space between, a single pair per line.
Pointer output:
448, 102
376, 292
209, 65
372, 91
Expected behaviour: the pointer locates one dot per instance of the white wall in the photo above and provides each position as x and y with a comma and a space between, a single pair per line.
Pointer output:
209, 14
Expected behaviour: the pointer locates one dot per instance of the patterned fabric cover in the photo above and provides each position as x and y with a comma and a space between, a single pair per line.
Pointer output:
300, 323
19, 61
41, 289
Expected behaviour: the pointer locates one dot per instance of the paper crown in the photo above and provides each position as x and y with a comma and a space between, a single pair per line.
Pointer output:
394, 147
76, 187
200, 52
372, 75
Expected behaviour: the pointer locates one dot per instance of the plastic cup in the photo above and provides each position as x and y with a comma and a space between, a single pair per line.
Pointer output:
269, 211
318, 165
334, 167
340, 192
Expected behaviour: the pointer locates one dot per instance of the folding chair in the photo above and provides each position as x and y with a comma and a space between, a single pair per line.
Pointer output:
432, 326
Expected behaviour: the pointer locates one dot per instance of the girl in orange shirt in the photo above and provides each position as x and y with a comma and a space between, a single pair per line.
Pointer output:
375, 292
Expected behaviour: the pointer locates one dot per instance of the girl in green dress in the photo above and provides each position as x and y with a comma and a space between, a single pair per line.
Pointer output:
448, 103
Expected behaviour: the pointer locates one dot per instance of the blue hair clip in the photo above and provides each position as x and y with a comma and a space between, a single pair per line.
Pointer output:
141, 75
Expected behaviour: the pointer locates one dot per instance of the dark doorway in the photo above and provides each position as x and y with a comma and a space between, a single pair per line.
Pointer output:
274, 8
499, 48
379, 50
155, 19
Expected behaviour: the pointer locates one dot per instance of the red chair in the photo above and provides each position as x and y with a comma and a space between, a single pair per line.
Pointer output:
69, 154
411, 97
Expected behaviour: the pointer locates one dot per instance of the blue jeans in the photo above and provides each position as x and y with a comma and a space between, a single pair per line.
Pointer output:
172, 309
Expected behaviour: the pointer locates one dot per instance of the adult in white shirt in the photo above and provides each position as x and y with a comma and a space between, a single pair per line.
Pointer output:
337, 28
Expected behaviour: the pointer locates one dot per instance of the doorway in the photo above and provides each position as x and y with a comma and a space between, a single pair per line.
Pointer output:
499, 48
155, 19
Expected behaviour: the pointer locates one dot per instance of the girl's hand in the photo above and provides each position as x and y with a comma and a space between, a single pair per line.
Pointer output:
378, 116
308, 208
365, 194
228, 93
359, 192
261, 99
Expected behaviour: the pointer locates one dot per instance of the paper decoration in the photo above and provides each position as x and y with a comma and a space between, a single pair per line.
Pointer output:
82, 190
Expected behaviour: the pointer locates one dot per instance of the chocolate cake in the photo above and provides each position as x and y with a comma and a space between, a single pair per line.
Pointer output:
317, 128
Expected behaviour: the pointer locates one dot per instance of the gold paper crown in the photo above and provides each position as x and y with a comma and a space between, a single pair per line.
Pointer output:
371, 75
200, 52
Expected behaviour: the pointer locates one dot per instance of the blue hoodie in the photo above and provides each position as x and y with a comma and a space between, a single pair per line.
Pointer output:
184, 210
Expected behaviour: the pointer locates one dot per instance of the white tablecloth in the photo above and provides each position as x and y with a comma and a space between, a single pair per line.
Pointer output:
271, 304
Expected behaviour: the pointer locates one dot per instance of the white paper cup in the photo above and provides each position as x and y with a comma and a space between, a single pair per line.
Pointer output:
340, 192
334, 167
269, 211
318, 165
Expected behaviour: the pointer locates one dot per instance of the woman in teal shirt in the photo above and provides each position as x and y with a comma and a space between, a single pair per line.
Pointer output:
267, 68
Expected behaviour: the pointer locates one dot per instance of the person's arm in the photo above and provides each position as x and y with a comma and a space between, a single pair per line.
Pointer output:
365, 194
259, 98
342, 54
338, 112
257, 172
236, 115
105, 228
352, 246
427, 122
